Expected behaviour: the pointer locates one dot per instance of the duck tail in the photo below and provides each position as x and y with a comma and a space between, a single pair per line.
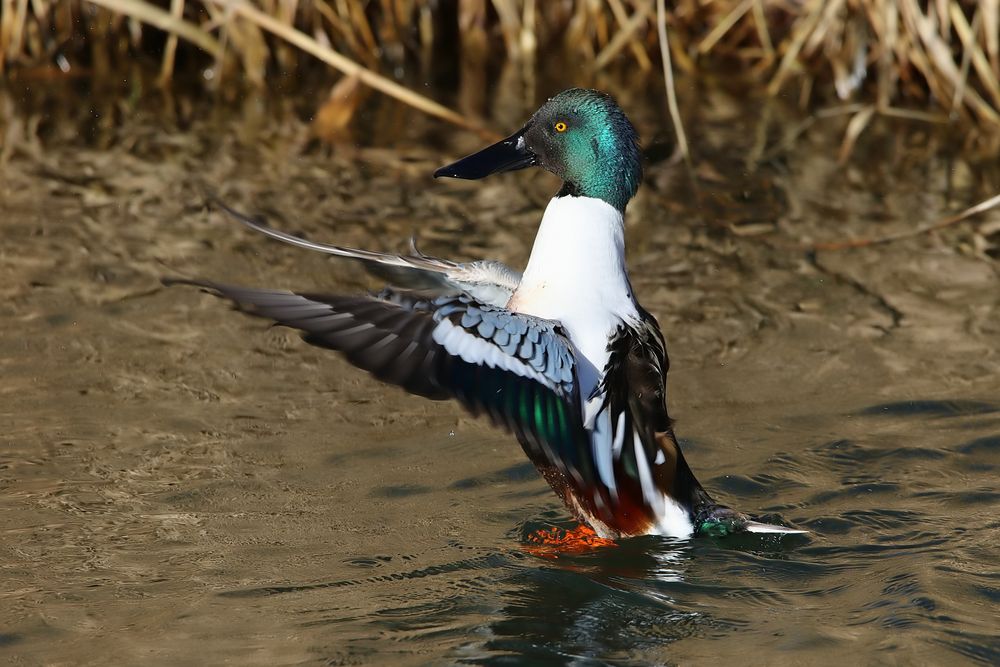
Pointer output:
713, 519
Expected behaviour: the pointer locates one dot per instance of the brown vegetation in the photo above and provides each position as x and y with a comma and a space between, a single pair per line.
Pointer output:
937, 60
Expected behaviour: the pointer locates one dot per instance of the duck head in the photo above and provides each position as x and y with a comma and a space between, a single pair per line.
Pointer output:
580, 135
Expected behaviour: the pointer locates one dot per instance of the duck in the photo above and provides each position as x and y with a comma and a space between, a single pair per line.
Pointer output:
562, 355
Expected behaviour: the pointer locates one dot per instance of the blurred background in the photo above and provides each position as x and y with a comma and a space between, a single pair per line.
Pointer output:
933, 62
816, 234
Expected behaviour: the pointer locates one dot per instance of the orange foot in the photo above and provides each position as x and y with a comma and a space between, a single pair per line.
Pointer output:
553, 542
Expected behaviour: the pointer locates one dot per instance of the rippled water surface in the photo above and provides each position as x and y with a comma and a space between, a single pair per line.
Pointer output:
180, 484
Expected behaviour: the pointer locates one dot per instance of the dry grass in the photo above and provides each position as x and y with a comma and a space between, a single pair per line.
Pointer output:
936, 60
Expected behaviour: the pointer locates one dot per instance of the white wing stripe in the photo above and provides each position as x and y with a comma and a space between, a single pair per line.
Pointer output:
672, 519
616, 447
474, 350
649, 490
600, 445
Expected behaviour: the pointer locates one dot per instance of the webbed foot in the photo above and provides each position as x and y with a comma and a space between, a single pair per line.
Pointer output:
553, 542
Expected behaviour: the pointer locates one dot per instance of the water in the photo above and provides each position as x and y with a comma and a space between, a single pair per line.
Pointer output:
181, 484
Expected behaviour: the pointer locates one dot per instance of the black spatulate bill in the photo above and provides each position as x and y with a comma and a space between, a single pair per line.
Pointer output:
510, 154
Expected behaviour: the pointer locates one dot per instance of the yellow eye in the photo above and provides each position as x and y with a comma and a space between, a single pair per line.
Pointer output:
560, 126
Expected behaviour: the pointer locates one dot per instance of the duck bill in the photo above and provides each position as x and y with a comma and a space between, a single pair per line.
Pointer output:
509, 154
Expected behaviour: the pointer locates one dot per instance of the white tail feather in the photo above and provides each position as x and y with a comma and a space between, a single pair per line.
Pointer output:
770, 528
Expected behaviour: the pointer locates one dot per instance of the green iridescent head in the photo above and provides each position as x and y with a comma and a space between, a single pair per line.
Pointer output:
581, 136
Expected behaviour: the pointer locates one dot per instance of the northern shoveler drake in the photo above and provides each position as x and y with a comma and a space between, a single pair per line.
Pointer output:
562, 355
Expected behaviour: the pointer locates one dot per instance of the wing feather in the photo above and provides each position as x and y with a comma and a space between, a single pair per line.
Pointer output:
626, 471
642, 471
448, 347
488, 281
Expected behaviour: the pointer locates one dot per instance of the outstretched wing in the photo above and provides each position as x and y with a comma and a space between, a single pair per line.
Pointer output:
638, 461
518, 369
487, 281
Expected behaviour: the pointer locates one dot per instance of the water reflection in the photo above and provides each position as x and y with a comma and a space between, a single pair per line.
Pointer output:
591, 609
611, 604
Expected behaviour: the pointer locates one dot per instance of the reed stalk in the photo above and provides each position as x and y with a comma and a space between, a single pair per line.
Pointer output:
903, 57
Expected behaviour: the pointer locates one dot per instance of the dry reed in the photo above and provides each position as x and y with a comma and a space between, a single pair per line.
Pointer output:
937, 60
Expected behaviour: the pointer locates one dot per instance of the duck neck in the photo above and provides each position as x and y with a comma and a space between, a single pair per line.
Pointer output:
577, 264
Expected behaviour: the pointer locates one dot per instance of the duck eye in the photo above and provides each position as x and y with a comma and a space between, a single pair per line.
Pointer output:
560, 126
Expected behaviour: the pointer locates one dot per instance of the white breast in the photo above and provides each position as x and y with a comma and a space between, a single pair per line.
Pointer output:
576, 275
